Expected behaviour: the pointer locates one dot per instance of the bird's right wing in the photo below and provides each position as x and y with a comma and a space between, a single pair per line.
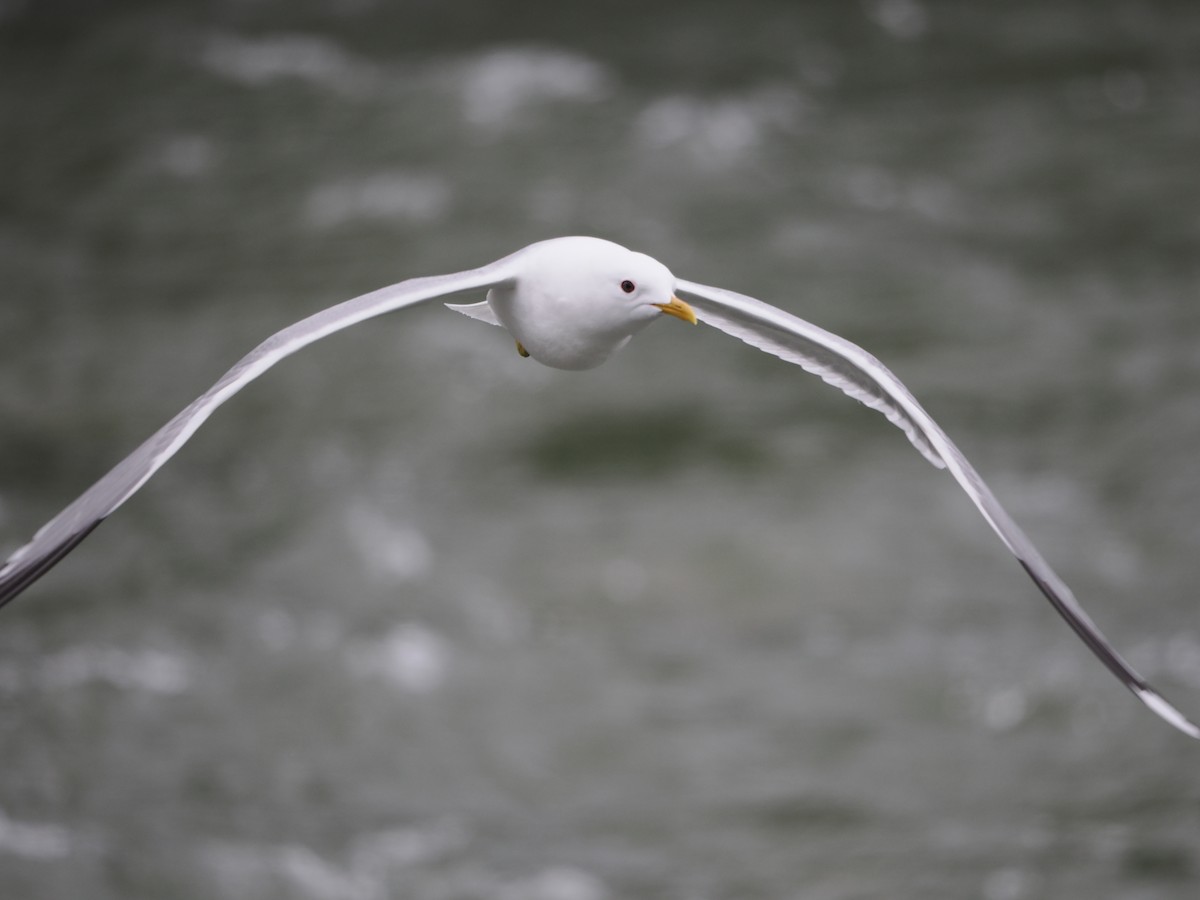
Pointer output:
851, 368
60, 535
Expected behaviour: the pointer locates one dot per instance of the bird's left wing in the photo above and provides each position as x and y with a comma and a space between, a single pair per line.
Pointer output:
62, 533
862, 376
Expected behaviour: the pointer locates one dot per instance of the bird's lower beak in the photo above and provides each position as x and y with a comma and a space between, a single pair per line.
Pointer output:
678, 309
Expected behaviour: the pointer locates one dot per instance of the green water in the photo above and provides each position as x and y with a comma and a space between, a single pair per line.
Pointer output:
413, 617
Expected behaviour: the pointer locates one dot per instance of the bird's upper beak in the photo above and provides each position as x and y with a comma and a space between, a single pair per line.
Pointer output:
678, 309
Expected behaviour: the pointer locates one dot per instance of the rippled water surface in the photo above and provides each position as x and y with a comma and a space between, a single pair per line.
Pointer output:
413, 617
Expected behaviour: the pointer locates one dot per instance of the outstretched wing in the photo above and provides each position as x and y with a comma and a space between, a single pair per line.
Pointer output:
62, 533
847, 366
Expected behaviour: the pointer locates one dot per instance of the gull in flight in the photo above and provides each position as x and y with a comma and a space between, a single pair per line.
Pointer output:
571, 303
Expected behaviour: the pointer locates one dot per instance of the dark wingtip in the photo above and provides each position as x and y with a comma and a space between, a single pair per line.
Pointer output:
26, 572
1127, 676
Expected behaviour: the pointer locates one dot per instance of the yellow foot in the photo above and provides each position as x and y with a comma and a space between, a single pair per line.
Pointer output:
522, 350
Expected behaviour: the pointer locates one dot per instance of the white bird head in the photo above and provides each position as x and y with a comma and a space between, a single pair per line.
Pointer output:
577, 300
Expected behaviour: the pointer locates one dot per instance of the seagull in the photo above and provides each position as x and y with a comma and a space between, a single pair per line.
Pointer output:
570, 303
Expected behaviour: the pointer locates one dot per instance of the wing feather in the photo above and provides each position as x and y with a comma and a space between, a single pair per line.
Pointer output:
482, 311
852, 369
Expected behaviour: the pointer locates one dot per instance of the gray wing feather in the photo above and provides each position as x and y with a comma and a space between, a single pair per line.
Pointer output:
482, 311
858, 373
62, 533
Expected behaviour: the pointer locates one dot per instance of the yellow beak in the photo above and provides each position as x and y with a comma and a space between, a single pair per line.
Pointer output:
678, 309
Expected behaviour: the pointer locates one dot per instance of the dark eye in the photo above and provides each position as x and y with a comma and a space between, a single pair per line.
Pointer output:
628, 286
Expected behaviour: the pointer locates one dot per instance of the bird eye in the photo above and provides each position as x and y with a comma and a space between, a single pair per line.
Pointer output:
628, 286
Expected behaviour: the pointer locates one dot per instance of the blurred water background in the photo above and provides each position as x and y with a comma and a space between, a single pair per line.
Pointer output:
413, 617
